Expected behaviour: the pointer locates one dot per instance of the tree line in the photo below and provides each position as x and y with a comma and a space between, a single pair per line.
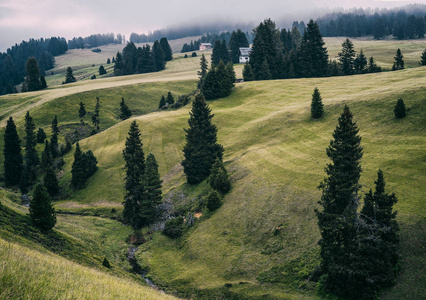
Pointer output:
95, 40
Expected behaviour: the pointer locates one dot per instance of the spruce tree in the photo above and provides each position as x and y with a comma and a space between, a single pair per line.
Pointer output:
125, 111
135, 167
81, 112
95, 116
213, 201
317, 108
372, 66
203, 72
423, 59
118, 65
102, 70
347, 57
168, 54
248, 74
263, 72
238, 40
219, 178
201, 148
46, 157
231, 73
51, 182
41, 136
162, 102
339, 201
170, 99
399, 61
78, 178
32, 80
42, 213
360, 63
31, 156
152, 190
13, 161
69, 78
399, 109
159, 56
54, 139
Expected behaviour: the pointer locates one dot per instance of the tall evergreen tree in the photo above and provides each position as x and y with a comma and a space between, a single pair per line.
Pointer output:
54, 139
423, 59
399, 61
13, 161
168, 54
170, 99
162, 102
118, 65
135, 167
41, 136
42, 213
317, 108
31, 156
78, 178
347, 57
312, 55
129, 59
339, 201
360, 63
69, 78
263, 72
51, 182
95, 116
159, 56
82, 112
46, 157
399, 109
248, 74
152, 190
219, 178
201, 148
32, 80
238, 40
203, 72
125, 111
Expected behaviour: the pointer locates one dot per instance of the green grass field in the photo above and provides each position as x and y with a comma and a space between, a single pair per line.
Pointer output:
275, 155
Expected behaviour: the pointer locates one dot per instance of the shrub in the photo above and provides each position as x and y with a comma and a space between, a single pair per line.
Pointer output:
106, 263
399, 109
174, 228
194, 54
213, 201
219, 179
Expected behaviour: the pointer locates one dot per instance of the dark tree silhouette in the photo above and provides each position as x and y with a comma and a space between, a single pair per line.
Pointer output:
13, 161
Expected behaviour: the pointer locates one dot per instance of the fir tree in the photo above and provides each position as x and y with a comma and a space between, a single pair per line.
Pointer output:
339, 200
201, 149
78, 178
203, 72
423, 59
81, 112
51, 182
264, 73
170, 99
162, 102
42, 213
108, 61
43, 82
41, 136
129, 59
231, 72
32, 80
31, 156
159, 56
95, 116
152, 190
360, 63
125, 111
347, 57
213, 201
399, 109
135, 167
372, 66
46, 157
102, 70
317, 108
248, 74
220, 52
13, 161
168, 54
118, 65
238, 40
399, 61
69, 78
219, 179
54, 139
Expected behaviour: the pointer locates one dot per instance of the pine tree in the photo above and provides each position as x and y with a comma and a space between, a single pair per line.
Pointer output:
129, 59
135, 167
41, 136
219, 179
69, 78
231, 72
159, 56
213, 201
43, 82
360, 63
78, 178
248, 74
51, 182
46, 157
347, 57
31, 156
168, 54
118, 65
95, 116
423, 59
317, 108
102, 70
42, 213
399, 61
399, 109
372, 66
170, 99
152, 190
201, 149
108, 61
339, 200
54, 139
162, 102
238, 40
203, 72
264, 73
13, 161
81, 112
125, 111
32, 80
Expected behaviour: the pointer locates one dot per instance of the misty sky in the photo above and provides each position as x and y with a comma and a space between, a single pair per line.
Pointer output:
24, 19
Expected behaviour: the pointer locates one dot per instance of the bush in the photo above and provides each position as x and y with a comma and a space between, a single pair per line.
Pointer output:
106, 263
213, 201
399, 109
219, 179
194, 54
93, 77
174, 228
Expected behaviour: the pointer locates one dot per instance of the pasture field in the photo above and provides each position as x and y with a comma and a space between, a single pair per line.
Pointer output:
275, 155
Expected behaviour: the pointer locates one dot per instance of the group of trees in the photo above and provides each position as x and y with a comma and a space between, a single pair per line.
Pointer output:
142, 182
218, 81
350, 63
358, 247
95, 40
34, 81
83, 167
142, 59
407, 23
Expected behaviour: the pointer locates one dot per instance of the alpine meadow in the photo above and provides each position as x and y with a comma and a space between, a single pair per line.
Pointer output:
271, 160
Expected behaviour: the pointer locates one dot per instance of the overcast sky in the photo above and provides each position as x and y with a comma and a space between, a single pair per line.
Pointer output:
24, 19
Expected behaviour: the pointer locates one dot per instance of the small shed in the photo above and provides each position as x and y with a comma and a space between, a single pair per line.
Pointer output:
244, 55
205, 46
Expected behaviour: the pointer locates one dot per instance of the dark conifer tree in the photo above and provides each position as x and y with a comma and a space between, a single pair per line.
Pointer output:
360, 63
81, 112
125, 111
102, 70
168, 54
213, 201
231, 72
31, 156
12, 155
317, 108
219, 178
118, 65
129, 59
248, 74
372, 66
170, 99
312, 55
238, 40
159, 56
162, 102
95, 116
41, 136
42, 213
399, 109
263, 72
51, 182
339, 200
78, 178
203, 72
32, 80
54, 139
69, 78
347, 57
43, 82
423, 59
225, 78
201, 149
152, 191
108, 61
135, 168
46, 157
399, 61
